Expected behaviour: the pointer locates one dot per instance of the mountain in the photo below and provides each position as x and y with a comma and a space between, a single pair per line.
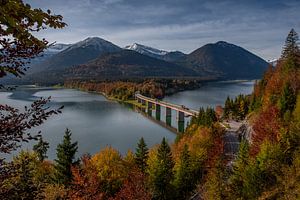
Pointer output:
57, 47
49, 52
66, 57
156, 53
225, 60
127, 64
79, 53
273, 62
95, 58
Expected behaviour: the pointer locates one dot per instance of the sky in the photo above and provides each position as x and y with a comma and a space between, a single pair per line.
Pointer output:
259, 26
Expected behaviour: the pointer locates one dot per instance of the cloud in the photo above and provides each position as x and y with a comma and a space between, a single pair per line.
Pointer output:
259, 26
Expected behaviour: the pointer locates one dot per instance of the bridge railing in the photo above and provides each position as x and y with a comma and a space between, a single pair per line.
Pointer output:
167, 104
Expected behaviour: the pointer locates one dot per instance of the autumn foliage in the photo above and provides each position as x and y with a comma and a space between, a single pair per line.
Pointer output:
266, 127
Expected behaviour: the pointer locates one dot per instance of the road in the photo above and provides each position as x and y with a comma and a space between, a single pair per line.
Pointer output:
231, 139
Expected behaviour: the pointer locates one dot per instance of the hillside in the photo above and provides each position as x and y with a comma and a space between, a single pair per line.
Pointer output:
226, 60
171, 56
267, 165
125, 64
95, 58
79, 53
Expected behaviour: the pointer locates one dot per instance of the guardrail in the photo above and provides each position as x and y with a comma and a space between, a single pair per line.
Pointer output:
180, 108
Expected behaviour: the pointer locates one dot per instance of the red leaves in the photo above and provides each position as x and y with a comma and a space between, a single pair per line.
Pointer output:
266, 127
86, 184
134, 188
14, 124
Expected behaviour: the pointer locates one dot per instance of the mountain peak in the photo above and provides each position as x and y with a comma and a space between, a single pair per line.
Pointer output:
224, 44
143, 49
94, 42
232, 61
57, 47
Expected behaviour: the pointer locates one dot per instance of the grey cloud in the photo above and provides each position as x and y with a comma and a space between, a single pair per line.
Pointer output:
259, 26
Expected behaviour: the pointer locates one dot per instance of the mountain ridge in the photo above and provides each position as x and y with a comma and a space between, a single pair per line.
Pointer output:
170, 56
221, 60
227, 60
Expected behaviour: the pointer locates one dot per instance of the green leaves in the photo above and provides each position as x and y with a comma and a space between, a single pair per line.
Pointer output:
141, 155
65, 159
18, 21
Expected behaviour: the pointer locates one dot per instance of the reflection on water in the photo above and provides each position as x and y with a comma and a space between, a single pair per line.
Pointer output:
96, 122
210, 94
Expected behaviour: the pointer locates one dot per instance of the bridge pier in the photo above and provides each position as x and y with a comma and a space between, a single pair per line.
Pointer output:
148, 104
139, 100
157, 111
149, 108
168, 116
180, 120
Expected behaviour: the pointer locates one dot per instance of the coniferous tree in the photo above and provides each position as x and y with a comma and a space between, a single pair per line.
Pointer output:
215, 186
291, 53
227, 107
41, 149
184, 176
201, 116
238, 174
23, 185
65, 159
287, 100
141, 155
291, 49
163, 173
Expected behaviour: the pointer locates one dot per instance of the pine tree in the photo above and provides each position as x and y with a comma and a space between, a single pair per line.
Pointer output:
287, 100
291, 53
163, 173
215, 186
23, 184
184, 178
290, 48
201, 116
236, 180
227, 107
141, 155
65, 159
41, 149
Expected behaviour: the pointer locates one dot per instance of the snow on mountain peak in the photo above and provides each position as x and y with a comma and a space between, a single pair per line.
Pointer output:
55, 48
145, 49
96, 43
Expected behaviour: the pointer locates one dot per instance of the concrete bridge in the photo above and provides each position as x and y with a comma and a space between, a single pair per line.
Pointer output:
182, 111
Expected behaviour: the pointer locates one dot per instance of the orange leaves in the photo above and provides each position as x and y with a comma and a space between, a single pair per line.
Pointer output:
134, 188
86, 185
266, 127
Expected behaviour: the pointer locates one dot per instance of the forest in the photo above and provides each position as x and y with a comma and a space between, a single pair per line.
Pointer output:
267, 165
124, 90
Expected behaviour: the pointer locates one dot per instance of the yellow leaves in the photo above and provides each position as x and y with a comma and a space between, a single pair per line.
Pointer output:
198, 144
54, 191
110, 168
129, 160
109, 164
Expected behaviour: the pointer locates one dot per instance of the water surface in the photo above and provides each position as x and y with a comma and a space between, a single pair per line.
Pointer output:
96, 122
211, 94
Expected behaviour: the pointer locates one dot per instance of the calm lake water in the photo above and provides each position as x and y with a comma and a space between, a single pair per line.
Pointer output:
96, 122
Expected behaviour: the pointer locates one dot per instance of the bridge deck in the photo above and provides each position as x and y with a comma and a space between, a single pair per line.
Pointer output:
169, 105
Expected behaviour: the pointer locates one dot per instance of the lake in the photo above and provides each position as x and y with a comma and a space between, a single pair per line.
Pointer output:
96, 122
